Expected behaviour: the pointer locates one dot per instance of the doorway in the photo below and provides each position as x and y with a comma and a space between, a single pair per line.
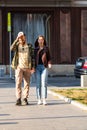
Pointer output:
32, 25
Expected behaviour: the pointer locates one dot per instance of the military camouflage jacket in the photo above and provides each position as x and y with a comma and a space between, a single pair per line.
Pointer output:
14, 47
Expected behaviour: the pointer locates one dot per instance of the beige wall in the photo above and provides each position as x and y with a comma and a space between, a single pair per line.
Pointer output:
54, 71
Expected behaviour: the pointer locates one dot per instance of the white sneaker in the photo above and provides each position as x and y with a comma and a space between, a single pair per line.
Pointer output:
44, 102
39, 102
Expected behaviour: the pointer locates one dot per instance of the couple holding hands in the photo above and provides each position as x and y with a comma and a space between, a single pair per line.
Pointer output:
27, 60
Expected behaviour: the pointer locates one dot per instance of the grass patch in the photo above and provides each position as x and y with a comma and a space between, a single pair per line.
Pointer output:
78, 94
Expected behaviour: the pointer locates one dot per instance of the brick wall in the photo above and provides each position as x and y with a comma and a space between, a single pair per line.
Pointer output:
0, 38
84, 32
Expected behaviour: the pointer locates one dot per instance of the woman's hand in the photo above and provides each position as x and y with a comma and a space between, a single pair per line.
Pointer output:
49, 66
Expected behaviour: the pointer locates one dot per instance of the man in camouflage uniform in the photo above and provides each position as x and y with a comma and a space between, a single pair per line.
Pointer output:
24, 64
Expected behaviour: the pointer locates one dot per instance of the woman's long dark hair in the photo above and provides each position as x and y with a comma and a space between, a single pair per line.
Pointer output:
36, 44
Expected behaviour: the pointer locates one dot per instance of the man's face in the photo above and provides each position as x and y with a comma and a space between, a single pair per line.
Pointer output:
22, 39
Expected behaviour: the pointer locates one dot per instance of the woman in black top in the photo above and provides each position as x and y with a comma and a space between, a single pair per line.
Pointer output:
42, 62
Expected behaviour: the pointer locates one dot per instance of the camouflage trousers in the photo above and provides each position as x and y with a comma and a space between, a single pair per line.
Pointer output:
22, 78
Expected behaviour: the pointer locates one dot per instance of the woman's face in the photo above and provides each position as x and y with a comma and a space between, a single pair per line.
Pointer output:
41, 41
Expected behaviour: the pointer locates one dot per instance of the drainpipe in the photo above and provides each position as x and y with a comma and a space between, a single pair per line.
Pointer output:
46, 24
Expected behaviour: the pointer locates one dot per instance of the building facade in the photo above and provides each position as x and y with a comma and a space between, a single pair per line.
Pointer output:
62, 22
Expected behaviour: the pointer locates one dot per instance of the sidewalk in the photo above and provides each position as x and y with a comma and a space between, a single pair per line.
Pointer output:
57, 115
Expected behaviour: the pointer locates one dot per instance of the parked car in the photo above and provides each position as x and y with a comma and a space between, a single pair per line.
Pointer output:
80, 67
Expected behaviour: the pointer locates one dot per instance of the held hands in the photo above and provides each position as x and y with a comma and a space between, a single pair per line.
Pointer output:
32, 70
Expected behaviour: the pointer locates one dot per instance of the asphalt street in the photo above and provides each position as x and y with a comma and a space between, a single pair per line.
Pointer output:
67, 81
57, 115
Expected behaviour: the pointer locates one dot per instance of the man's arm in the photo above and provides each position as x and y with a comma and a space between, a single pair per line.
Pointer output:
14, 45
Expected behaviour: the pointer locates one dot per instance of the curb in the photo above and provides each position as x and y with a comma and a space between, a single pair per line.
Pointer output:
61, 75
68, 100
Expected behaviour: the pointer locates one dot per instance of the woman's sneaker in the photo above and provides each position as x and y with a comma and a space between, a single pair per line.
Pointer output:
44, 102
18, 102
39, 102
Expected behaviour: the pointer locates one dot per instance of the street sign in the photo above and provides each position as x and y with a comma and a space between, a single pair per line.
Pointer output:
9, 30
9, 22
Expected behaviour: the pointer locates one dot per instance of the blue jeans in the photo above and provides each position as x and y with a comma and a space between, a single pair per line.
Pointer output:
41, 81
